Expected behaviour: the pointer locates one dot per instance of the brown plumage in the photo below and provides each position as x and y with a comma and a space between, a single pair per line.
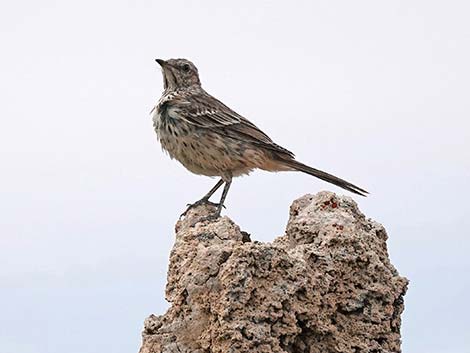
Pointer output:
211, 139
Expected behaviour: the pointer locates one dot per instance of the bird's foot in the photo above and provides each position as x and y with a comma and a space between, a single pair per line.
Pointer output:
207, 218
202, 201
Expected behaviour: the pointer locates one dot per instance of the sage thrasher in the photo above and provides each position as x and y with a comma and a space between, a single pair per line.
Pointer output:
209, 138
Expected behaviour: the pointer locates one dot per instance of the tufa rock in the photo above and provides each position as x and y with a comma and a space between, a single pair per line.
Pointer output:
327, 285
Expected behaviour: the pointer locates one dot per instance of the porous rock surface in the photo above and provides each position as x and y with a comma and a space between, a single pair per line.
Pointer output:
327, 285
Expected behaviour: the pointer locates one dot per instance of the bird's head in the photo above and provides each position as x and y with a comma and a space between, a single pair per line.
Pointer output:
178, 73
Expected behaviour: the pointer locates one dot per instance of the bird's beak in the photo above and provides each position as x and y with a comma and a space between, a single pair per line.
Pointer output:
161, 62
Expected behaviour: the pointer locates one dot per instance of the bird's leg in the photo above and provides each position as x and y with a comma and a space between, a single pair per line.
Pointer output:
228, 182
214, 189
216, 215
205, 199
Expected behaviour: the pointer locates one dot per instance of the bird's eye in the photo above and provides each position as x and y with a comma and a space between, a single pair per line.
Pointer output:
186, 68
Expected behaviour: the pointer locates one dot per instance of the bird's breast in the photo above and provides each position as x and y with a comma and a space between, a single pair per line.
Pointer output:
175, 135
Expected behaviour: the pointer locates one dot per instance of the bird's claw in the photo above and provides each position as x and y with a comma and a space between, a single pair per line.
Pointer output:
202, 202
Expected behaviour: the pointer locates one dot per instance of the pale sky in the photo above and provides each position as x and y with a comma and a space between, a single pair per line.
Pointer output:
376, 92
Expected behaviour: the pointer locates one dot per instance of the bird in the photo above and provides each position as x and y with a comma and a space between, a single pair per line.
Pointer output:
209, 138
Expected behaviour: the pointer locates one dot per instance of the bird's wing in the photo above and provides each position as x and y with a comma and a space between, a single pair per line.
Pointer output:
205, 111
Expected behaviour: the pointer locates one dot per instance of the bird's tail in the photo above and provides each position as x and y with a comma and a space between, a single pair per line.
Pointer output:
292, 163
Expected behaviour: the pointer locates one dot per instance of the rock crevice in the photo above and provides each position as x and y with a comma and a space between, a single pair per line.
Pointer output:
326, 285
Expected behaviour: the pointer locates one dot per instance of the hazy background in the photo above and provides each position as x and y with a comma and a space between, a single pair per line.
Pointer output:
376, 92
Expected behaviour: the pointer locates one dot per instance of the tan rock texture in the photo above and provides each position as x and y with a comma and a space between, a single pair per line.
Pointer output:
327, 285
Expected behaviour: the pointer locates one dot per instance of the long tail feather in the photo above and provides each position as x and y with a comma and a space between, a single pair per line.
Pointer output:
325, 176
